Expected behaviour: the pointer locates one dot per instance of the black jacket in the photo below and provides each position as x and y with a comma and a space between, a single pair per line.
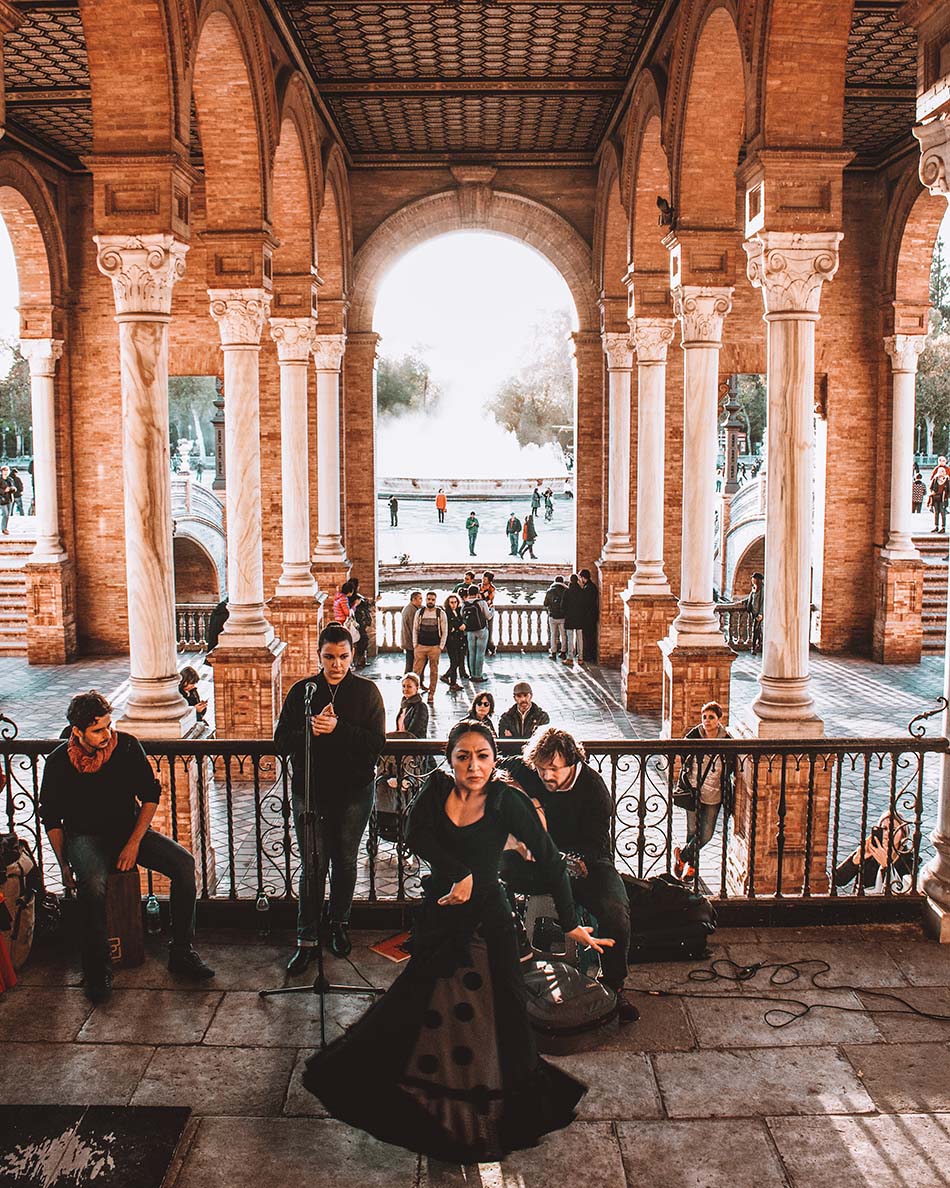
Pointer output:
416, 721
555, 599
574, 608
347, 757
578, 820
511, 726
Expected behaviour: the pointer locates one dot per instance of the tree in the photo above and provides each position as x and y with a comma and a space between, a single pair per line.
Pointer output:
16, 410
537, 403
405, 385
190, 409
752, 396
940, 281
933, 384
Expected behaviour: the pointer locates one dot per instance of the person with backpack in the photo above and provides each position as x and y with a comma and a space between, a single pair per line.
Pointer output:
555, 603
475, 615
529, 535
430, 629
471, 527
705, 785
513, 531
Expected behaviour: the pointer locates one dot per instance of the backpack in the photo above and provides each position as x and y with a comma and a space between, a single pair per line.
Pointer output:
563, 1004
474, 617
555, 600
668, 921
20, 884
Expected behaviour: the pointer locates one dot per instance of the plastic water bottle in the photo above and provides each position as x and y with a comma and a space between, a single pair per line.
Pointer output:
153, 915
262, 908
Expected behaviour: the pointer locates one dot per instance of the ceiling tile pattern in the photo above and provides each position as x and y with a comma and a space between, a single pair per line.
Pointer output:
880, 81
873, 129
64, 126
882, 50
48, 50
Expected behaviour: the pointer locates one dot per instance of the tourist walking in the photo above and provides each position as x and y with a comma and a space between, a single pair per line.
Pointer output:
471, 527
574, 621
18, 493
455, 1019
548, 505
7, 495
440, 505
455, 643
529, 535
704, 786
393, 512
918, 493
430, 629
475, 615
406, 622
555, 603
482, 709
513, 530
591, 614
535, 498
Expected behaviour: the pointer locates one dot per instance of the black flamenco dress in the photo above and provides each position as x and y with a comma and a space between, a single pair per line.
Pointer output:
445, 1062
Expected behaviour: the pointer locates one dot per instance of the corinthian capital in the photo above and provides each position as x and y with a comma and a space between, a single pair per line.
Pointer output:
618, 350
790, 268
651, 337
934, 155
143, 270
294, 338
42, 354
905, 350
328, 351
701, 310
240, 314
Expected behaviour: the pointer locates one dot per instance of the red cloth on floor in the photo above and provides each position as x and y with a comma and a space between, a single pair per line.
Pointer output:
7, 975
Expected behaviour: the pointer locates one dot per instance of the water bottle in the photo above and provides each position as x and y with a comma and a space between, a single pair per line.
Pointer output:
153, 915
262, 908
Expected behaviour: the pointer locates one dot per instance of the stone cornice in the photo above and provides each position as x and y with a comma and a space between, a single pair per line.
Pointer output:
905, 350
328, 351
934, 140
143, 270
791, 267
651, 338
240, 314
700, 310
618, 350
294, 337
42, 354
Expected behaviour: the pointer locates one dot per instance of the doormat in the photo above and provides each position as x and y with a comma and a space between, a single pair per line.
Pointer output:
88, 1146
394, 947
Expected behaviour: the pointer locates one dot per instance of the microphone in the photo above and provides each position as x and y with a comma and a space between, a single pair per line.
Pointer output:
308, 691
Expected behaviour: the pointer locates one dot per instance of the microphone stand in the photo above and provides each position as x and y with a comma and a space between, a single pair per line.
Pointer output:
308, 857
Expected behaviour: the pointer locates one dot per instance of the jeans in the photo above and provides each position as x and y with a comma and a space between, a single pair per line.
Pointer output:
527, 547
558, 637
472, 534
477, 645
699, 829
602, 892
5, 509
93, 859
575, 643
513, 543
431, 654
339, 828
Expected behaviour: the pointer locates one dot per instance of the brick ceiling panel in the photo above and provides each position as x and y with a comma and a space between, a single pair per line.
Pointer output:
48, 50
882, 50
67, 127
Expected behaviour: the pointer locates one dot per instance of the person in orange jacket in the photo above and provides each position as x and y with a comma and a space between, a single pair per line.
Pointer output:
440, 505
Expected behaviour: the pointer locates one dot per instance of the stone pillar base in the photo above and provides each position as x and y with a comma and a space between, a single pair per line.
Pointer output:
691, 677
788, 794
331, 575
898, 598
936, 922
646, 620
50, 612
297, 622
614, 576
248, 690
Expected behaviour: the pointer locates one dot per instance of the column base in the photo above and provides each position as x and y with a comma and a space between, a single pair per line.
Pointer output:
297, 621
331, 574
898, 599
50, 612
614, 576
248, 690
646, 620
691, 677
937, 921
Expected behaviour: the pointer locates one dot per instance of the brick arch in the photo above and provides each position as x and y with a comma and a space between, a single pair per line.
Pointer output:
611, 234
706, 116
646, 172
297, 181
234, 96
335, 229
198, 576
38, 246
751, 561
520, 218
910, 235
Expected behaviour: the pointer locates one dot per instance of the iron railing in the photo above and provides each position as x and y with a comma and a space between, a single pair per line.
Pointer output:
801, 808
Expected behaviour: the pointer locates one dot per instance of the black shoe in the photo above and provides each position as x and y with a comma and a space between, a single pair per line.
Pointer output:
340, 945
186, 963
626, 1011
97, 987
301, 959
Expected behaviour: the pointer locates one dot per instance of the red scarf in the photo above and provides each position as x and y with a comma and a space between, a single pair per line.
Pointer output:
86, 763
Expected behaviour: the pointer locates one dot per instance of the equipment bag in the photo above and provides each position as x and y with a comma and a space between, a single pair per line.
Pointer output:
18, 906
564, 1003
668, 921
473, 617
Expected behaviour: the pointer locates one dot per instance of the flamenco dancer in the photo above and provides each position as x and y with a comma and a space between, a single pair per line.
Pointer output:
445, 1063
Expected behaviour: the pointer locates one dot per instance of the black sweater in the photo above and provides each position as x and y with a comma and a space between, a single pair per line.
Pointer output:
579, 819
347, 757
103, 803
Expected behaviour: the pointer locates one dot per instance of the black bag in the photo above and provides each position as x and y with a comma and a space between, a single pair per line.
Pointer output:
563, 1003
474, 617
684, 794
668, 921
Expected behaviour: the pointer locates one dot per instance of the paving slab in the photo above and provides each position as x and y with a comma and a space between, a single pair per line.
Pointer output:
744, 1021
217, 1080
904, 1078
663, 1026
35, 1013
909, 1151
922, 962
757, 1082
285, 1021
675, 976
584, 1153
619, 1085
151, 1016
727, 1153
853, 963
899, 1027
289, 1152
298, 1101
70, 1074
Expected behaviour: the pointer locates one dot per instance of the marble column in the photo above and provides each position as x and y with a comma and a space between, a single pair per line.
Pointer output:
649, 606
696, 662
616, 560
790, 269
295, 610
143, 270
329, 555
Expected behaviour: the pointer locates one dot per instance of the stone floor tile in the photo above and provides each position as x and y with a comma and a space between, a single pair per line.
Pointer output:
663, 1026
904, 1078
674, 976
741, 1020
922, 962
298, 1099
152, 1016
239, 966
909, 1151
284, 1021
70, 1074
731, 1153
758, 1082
584, 1153
619, 1085
43, 1013
853, 963
290, 1152
245, 1081
911, 1028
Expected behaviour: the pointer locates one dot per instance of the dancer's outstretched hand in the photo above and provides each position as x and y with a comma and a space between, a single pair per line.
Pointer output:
585, 936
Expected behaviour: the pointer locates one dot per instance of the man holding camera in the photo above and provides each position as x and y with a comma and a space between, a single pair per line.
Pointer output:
339, 719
